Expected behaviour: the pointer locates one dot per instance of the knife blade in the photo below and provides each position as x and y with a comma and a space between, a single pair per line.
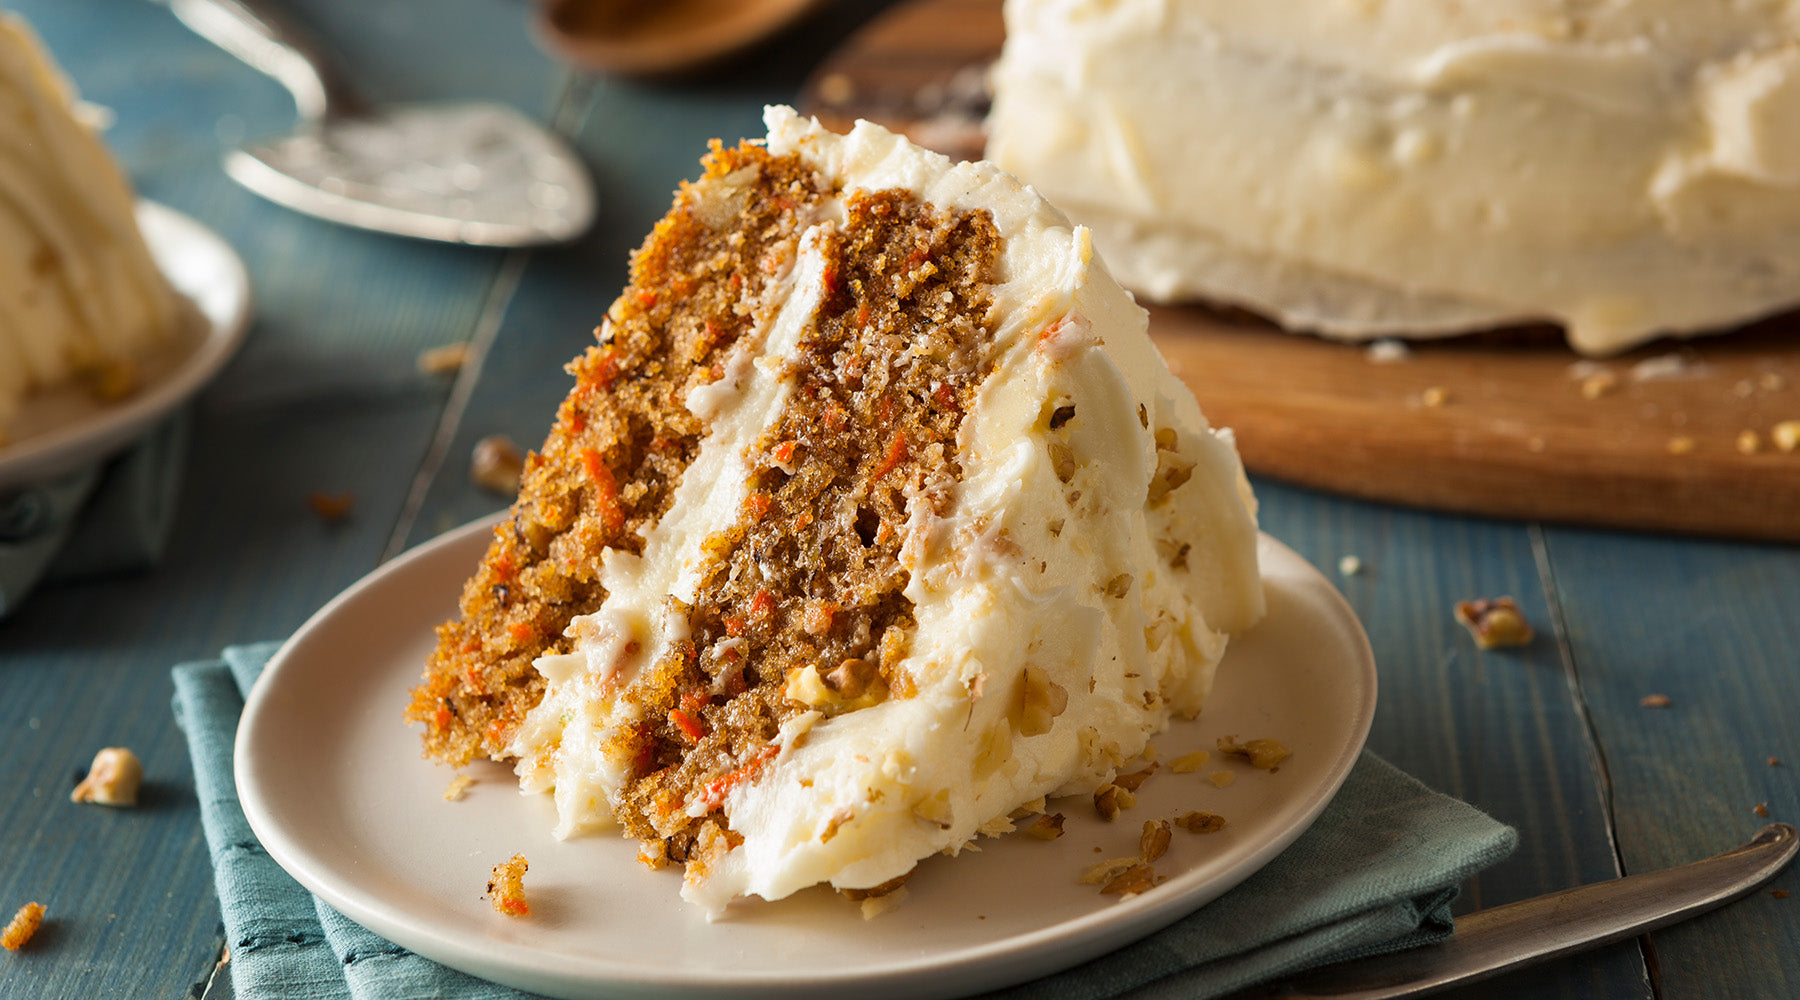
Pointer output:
1493, 940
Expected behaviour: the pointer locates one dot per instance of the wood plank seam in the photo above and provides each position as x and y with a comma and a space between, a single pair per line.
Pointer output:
572, 102
1596, 753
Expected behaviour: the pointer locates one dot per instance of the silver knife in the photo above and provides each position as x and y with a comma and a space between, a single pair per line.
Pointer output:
1491, 941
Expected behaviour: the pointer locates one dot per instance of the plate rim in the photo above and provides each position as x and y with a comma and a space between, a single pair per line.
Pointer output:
107, 431
990, 965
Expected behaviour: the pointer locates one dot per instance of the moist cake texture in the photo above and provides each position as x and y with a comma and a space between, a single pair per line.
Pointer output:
872, 515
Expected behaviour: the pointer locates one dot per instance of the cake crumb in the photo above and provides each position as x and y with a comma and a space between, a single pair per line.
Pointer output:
1387, 351
1598, 384
496, 465
1655, 701
1779, 893
1494, 622
1681, 444
1263, 754
113, 779
1350, 565
1434, 396
1200, 822
22, 926
1131, 781
458, 787
1188, 763
1748, 442
1221, 779
1761, 809
1774, 761
506, 887
446, 360
1786, 435
332, 508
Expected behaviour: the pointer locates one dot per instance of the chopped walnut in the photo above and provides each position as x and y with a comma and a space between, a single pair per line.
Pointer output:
445, 360
1047, 827
496, 465
1221, 779
1263, 754
1761, 809
506, 887
1131, 881
1494, 622
1110, 800
1131, 781
1655, 701
1188, 763
331, 507
1200, 822
458, 787
1104, 871
112, 779
22, 926
876, 891
1153, 843
1040, 701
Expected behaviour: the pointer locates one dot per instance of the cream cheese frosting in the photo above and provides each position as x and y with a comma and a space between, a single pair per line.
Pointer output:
1364, 168
78, 288
1077, 590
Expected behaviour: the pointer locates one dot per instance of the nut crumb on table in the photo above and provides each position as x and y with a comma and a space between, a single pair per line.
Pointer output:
22, 926
1263, 754
1655, 701
1494, 622
458, 787
331, 507
113, 779
1200, 822
1761, 809
506, 887
1153, 843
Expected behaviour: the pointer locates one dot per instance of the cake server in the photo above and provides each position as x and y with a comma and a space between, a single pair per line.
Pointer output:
1488, 942
477, 173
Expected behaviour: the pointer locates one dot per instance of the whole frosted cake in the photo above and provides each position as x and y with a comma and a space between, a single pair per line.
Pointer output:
872, 516
1408, 167
80, 296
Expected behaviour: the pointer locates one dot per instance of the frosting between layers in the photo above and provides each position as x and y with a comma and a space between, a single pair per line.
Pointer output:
78, 287
1015, 576
1365, 168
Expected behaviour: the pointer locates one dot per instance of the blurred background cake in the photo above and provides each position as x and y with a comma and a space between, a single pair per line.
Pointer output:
1364, 168
80, 296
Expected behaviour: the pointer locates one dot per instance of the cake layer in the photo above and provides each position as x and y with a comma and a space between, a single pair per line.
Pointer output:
79, 292
1365, 169
952, 539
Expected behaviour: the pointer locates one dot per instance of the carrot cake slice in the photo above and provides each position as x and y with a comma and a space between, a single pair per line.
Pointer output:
80, 296
873, 515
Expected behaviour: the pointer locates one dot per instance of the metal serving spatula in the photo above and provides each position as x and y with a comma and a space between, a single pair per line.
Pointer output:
477, 173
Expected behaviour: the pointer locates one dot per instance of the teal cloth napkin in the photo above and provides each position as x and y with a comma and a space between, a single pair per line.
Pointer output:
109, 517
1376, 872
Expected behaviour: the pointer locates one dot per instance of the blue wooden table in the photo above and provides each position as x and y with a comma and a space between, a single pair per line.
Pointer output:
325, 396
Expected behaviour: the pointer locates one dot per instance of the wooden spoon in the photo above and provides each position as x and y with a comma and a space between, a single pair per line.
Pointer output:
659, 37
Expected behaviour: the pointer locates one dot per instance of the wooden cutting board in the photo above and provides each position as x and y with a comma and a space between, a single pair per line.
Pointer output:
1677, 436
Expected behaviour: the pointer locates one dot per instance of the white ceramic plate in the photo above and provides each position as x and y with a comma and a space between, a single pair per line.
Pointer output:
62, 429
334, 785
